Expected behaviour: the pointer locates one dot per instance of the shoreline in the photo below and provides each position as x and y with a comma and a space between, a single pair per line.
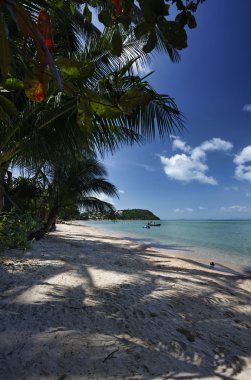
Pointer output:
85, 305
178, 251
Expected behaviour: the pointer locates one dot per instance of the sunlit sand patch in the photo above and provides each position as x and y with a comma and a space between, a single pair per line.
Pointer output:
50, 289
104, 278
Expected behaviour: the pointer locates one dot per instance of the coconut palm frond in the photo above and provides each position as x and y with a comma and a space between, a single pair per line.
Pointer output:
160, 115
93, 204
99, 51
98, 185
164, 46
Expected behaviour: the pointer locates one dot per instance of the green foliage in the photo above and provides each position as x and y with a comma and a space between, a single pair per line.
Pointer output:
104, 108
13, 84
151, 42
27, 194
6, 53
8, 106
103, 104
84, 216
76, 69
117, 43
174, 33
98, 109
145, 20
141, 19
137, 214
14, 229
133, 214
69, 212
135, 98
105, 18
87, 14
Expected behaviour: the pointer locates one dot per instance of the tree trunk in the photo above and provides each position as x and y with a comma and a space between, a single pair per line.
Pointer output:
3, 172
49, 226
1, 196
51, 220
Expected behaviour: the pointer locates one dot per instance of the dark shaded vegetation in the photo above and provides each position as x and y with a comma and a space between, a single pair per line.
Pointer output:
129, 214
137, 214
40, 200
69, 92
15, 228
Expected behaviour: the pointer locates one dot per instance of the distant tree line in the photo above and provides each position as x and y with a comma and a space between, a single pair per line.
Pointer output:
137, 214
133, 214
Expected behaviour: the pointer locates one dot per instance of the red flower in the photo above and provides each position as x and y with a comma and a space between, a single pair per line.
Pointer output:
118, 8
34, 90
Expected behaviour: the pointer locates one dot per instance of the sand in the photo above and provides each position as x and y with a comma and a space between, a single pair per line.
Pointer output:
83, 305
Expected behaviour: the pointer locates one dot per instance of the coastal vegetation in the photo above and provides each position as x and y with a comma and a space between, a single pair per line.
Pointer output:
137, 214
133, 214
70, 92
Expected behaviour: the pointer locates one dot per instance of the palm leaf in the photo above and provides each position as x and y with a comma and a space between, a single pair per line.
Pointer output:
6, 53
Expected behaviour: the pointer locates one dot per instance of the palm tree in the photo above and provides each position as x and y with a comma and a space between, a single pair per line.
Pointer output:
84, 76
103, 106
73, 183
151, 22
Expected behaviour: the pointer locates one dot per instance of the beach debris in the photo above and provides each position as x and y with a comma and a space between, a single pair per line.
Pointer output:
212, 264
108, 356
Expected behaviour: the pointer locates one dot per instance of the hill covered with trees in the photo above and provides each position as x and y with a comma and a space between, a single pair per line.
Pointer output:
137, 214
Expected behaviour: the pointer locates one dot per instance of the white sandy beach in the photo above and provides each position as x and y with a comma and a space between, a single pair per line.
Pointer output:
82, 305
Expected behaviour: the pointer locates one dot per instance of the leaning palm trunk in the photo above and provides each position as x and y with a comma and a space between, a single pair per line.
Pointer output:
49, 225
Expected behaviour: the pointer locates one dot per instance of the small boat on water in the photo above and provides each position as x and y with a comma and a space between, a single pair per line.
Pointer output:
146, 226
151, 224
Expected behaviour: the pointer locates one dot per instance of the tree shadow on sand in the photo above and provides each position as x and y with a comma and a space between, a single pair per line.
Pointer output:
149, 319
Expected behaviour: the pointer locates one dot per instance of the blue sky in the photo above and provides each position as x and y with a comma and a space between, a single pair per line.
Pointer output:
205, 172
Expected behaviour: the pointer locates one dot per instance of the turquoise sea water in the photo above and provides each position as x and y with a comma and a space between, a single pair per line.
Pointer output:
223, 241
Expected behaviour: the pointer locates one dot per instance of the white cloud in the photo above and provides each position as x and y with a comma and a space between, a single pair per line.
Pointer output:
184, 168
247, 108
182, 210
190, 165
248, 194
244, 156
235, 208
179, 144
243, 164
202, 208
121, 191
216, 144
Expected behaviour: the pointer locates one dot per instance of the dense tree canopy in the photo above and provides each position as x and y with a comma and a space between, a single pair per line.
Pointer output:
69, 89
136, 214
32, 32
